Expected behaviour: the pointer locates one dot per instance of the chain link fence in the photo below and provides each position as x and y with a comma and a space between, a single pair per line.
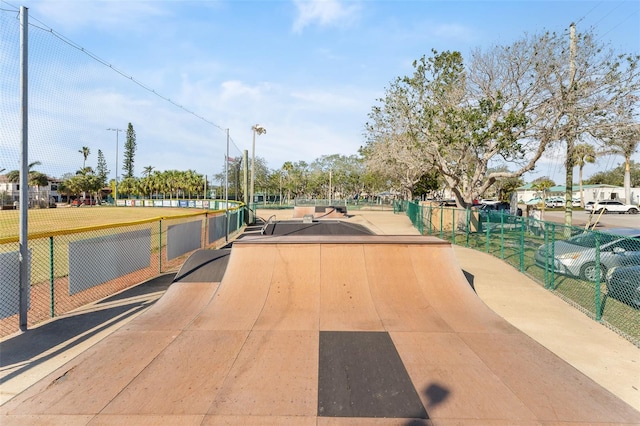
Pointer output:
71, 268
595, 271
77, 116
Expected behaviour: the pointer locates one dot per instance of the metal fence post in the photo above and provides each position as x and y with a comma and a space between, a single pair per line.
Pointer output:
552, 277
522, 229
160, 246
486, 244
453, 226
502, 236
598, 295
468, 225
206, 224
547, 256
51, 279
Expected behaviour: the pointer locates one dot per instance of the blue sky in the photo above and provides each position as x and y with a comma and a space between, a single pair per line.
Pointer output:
308, 71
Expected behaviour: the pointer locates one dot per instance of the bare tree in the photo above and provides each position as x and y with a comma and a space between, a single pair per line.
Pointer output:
507, 106
592, 90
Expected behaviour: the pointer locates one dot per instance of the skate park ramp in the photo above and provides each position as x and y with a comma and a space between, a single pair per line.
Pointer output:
321, 330
204, 266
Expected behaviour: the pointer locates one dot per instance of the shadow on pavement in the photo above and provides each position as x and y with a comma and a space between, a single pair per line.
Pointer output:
68, 331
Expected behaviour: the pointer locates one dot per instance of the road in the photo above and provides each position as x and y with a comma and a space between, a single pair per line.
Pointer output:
580, 218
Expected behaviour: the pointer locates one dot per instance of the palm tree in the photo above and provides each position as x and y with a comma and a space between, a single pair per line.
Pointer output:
542, 184
35, 178
146, 172
85, 151
287, 167
583, 153
625, 142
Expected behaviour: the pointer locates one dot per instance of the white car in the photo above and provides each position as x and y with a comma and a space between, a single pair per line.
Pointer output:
613, 206
577, 255
554, 202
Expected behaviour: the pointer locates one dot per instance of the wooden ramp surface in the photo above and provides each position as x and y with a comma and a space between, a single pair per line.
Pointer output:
321, 331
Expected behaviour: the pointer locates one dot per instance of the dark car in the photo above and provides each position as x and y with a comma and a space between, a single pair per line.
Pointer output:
448, 203
623, 283
493, 211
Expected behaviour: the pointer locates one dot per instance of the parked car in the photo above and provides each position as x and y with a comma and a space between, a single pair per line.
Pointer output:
613, 206
623, 283
576, 256
448, 203
497, 212
588, 206
554, 202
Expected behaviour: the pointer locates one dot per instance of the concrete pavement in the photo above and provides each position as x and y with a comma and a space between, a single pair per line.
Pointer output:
599, 353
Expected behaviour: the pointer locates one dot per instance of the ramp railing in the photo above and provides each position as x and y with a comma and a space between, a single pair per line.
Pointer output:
596, 272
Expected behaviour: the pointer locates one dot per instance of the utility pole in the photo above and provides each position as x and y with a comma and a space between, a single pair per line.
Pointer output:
571, 131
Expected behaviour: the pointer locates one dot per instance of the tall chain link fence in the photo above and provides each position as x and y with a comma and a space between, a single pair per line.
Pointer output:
71, 268
595, 271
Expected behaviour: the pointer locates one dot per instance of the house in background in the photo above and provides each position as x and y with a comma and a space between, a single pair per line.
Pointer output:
10, 192
591, 193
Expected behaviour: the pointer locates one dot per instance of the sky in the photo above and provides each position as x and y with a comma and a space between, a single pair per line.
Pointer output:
308, 71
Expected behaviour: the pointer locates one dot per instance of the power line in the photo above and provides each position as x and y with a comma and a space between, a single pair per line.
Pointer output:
96, 58
610, 12
621, 22
588, 13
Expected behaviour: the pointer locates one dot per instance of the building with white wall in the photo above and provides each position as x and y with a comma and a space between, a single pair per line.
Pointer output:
590, 193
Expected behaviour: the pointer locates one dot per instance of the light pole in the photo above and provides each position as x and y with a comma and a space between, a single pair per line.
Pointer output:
115, 193
259, 130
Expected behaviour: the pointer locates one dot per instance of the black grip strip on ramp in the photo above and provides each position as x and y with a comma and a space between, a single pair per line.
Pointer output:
361, 375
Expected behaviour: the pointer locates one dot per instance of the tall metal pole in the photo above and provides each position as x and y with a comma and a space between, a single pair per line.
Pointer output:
245, 185
24, 171
253, 164
226, 190
115, 195
330, 188
256, 128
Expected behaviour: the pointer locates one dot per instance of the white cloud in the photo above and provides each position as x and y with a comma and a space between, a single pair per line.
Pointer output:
112, 15
452, 32
236, 89
324, 13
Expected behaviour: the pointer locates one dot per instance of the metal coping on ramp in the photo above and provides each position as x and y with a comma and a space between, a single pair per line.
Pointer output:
344, 239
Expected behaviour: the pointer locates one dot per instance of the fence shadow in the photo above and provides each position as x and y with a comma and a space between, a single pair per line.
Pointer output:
35, 346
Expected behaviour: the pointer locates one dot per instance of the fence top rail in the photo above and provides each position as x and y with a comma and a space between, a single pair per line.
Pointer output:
61, 232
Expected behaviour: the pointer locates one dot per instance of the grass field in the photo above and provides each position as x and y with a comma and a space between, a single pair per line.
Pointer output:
66, 218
